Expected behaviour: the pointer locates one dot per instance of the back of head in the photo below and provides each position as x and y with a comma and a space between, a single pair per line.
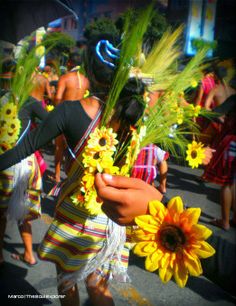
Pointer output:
130, 105
99, 65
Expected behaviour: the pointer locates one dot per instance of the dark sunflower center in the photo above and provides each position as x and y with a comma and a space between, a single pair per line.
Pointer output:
194, 154
13, 126
8, 112
102, 141
96, 155
172, 237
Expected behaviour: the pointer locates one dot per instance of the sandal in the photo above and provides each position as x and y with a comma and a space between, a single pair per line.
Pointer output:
20, 257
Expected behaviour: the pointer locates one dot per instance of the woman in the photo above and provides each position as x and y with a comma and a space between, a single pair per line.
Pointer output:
12, 193
76, 241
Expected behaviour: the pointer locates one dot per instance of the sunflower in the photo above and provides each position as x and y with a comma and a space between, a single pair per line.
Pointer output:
92, 203
97, 161
194, 83
4, 147
102, 139
8, 111
172, 241
13, 125
195, 154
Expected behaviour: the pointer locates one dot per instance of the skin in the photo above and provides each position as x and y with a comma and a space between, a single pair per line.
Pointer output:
41, 88
72, 87
125, 198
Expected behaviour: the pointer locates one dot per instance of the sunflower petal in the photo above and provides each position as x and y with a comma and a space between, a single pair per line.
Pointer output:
157, 209
165, 274
201, 232
141, 235
205, 250
193, 264
147, 222
175, 205
191, 215
152, 262
144, 248
180, 274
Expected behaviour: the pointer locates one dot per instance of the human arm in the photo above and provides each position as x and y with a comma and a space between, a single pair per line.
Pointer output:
61, 86
124, 198
209, 99
199, 96
52, 126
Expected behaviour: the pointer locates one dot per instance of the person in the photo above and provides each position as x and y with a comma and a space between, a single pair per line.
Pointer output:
150, 157
72, 86
218, 94
94, 247
21, 184
222, 168
120, 193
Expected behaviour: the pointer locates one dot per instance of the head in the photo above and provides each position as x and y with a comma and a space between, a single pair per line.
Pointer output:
130, 105
99, 72
8, 67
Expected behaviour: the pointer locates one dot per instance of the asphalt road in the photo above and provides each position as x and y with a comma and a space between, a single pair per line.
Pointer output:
20, 285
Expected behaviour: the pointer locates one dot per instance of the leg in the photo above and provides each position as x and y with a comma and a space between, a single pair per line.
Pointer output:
25, 230
98, 291
226, 202
163, 168
233, 190
3, 222
59, 142
71, 295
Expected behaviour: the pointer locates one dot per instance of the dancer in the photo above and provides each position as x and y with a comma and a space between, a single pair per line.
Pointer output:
21, 184
222, 168
72, 86
75, 119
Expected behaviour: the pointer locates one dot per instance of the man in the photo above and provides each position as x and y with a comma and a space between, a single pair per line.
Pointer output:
72, 86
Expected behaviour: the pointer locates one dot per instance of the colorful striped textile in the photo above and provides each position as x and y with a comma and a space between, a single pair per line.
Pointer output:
31, 193
145, 166
222, 168
78, 242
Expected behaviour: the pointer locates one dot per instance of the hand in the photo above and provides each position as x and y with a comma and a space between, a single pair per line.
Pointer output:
208, 155
124, 198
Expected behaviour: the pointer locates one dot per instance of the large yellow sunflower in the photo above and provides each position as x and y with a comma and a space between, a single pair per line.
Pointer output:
102, 139
172, 241
195, 154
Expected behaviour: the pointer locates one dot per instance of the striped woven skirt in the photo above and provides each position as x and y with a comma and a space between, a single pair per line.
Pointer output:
81, 244
222, 168
20, 190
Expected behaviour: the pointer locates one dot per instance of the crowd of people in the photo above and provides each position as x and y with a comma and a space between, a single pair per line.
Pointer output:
78, 99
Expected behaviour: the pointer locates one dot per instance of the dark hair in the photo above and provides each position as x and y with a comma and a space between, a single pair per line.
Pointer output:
99, 74
130, 105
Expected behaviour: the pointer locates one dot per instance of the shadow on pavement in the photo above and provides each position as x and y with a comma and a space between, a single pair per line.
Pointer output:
12, 282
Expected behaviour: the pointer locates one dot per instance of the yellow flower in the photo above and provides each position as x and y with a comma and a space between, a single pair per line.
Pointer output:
194, 83
102, 139
8, 111
13, 125
195, 154
4, 147
195, 110
172, 241
180, 115
88, 180
86, 94
91, 202
49, 108
97, 160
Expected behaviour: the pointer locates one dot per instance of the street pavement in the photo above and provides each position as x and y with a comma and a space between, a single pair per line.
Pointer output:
21, 285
